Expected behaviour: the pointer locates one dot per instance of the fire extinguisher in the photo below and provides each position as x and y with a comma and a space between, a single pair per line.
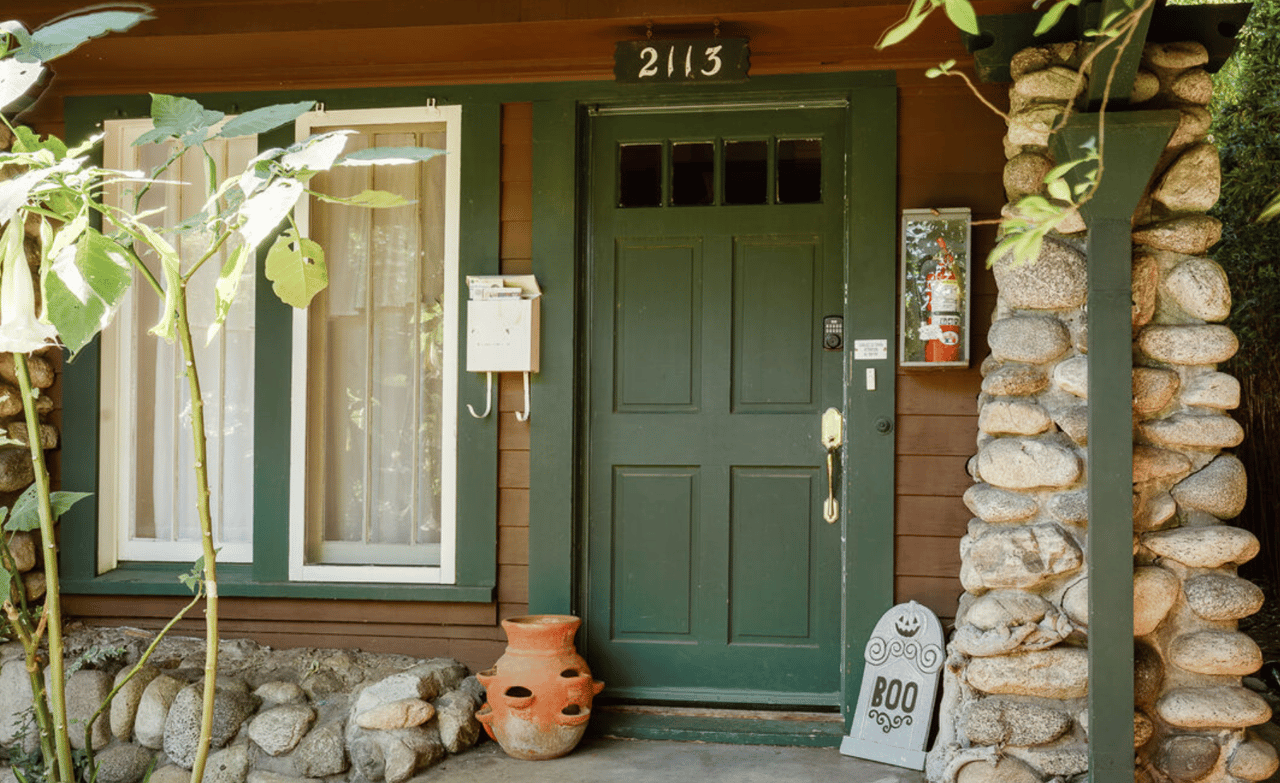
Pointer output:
943, 303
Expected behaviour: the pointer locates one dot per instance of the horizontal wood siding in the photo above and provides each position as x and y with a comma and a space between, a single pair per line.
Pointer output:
516, 253
950, 155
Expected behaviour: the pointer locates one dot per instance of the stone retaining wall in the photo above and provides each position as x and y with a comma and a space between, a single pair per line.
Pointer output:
1016, 683
286, 716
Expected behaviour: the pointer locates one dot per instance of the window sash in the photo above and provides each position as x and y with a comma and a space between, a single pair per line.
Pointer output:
311, 558
146, 519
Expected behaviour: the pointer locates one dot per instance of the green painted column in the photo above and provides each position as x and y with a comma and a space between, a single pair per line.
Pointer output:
1133, 143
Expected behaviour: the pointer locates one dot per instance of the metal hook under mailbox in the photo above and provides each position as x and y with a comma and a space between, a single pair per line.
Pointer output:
488, 397
525, 416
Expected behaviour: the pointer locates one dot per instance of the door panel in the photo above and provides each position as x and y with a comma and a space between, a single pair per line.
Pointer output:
658, 302
777, 293
711, 575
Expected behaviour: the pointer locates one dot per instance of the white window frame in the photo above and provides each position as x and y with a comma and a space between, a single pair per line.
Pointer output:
117, 447
445, 573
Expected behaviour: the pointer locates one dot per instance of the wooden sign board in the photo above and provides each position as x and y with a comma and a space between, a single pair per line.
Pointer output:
899, 685
682, 61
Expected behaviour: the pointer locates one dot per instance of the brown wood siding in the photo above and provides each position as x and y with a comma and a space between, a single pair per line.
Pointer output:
516, 254
949, 155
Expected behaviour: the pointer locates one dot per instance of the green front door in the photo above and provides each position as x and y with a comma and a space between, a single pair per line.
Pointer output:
716, 240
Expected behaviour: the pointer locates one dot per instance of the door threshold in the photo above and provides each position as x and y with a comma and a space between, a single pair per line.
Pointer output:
717, 724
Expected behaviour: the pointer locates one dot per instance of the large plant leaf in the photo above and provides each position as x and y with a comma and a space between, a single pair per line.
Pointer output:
262, 212
16, 77
378, 156
27, 140
26, 509
227, 285
178, 118
55, 40
316, 153
84, 286
962, 15
265, 119
170, 264
296, 269
369, 199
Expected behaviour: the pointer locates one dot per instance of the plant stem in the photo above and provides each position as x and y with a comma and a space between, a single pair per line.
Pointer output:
19, 620
206, 537
53, 596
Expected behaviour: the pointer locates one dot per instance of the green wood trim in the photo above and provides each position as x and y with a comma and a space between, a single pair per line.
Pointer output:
272, 367
812, 731
1134, 143
1116, 65
870, 313
477, 439
551, 426
239, 579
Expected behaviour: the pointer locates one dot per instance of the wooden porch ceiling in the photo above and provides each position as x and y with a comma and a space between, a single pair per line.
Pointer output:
201, 45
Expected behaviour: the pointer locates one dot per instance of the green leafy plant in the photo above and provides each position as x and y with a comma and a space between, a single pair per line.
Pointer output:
85, 272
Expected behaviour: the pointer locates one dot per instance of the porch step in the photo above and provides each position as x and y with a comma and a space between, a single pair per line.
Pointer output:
710, 724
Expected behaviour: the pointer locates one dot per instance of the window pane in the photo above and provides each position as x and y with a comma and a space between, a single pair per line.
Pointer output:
639, 175
692, 173
163, 523
746, 172
799, 171
376, 359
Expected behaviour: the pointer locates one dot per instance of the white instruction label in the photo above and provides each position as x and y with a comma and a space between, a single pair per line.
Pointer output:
870, 349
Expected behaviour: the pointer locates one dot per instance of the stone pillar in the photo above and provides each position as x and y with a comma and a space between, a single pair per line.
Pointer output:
1016, 681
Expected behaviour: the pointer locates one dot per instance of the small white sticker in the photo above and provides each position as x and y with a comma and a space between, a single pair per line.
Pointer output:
870, 349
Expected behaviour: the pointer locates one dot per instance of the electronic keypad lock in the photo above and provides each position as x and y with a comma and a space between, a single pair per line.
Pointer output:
833, 333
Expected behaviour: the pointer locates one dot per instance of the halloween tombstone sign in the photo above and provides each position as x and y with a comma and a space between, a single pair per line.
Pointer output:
895, 704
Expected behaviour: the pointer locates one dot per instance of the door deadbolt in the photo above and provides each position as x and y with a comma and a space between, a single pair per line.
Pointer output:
833, 332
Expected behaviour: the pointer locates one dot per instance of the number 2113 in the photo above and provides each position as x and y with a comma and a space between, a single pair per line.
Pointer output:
711, 62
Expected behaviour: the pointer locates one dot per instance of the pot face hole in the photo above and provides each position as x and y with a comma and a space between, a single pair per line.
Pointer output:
572, 709
491, 672
569, 673
518, 692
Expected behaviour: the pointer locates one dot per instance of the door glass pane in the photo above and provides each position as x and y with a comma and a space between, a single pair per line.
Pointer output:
692, 174
799, 171
746, 172
639, 175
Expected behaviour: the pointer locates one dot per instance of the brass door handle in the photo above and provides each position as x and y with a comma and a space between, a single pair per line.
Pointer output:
832, 438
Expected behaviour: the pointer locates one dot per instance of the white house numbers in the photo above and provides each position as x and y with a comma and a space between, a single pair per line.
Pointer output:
674, 61
899, 683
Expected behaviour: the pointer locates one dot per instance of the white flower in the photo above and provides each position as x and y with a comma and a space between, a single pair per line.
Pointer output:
20, 330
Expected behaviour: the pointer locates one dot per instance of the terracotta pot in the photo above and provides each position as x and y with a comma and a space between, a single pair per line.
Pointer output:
540, 690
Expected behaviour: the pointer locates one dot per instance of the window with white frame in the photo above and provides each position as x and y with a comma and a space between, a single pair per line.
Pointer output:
372, 479
147, 502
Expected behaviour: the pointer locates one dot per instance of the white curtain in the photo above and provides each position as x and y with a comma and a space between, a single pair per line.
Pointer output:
164, 472
375, 364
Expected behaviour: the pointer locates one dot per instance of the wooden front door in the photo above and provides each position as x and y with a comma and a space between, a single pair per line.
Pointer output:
716, 241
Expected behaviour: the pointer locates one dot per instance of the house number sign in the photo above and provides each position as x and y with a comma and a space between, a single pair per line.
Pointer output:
681, 61
895, 704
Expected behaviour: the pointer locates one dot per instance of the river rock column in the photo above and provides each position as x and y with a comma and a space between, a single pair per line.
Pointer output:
1015, 686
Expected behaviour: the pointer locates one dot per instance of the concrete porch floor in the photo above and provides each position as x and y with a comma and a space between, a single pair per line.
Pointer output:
646, 761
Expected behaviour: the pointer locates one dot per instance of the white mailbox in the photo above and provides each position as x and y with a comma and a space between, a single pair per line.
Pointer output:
502, 329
